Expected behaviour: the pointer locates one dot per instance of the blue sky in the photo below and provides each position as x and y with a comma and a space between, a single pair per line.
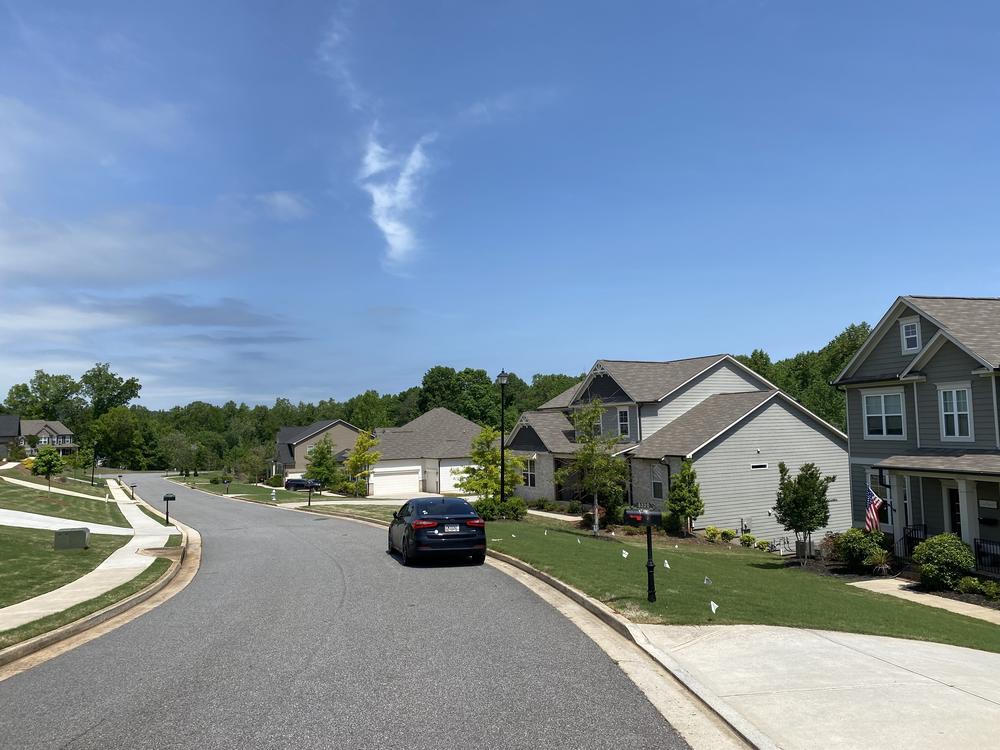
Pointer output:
250, 200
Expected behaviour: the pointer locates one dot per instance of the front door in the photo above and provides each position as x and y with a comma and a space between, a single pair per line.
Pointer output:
955, 510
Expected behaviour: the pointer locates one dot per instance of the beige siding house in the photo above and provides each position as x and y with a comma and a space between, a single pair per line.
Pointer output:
733, 425
294, 444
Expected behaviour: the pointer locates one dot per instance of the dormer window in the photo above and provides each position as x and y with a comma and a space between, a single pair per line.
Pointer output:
909, 335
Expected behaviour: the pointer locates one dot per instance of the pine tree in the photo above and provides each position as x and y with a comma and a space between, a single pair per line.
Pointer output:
685, 496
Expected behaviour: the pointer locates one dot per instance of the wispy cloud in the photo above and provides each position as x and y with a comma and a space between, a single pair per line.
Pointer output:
335, 59
394, 183
284, 205
491, 108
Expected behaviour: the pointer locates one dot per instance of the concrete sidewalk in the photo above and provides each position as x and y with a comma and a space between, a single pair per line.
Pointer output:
44, 488
813, 688
24, 520
903, 589
121, 566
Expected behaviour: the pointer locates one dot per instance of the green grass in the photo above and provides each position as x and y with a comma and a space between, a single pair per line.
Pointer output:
373, 512
174, 540
749, 587
29, 566
159, 519
100, 489
45, 624
15, 497
242, 490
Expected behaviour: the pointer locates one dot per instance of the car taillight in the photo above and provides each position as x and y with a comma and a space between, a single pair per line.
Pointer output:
422, 523
476, 523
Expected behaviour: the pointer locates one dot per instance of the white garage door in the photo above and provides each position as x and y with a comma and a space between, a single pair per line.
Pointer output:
395, 482
451, 472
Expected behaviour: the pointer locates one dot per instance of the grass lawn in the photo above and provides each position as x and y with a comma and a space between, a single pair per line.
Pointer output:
749, 587
373, 512
174, 540
159, 519
100, 489
31, 629
14, 497
29, 566
243, 491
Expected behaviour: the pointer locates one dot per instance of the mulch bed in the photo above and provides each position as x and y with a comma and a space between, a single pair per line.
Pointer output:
978, 599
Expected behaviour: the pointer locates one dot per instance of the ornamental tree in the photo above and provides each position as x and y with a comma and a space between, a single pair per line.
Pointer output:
802, 505
684, 501
482, 477
360, 461
323, 466
46, 463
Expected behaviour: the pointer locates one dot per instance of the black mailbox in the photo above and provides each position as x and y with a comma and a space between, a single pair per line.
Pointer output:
642, 517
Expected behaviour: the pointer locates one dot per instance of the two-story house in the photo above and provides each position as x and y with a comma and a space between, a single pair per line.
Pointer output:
293, 444
735, 427
923, 422
38, 433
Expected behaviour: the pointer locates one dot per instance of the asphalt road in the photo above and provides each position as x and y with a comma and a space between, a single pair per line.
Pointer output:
302, 632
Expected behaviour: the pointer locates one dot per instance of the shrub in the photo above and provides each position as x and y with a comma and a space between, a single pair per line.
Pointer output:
574, 508
491, 509
880, 561
712, 533
763, 545
828, 546
587, 521
276, 481
670, 522
943, 559
855, 546
727, 535
747, 540
539, 504
990, 589
969, 585
215, 480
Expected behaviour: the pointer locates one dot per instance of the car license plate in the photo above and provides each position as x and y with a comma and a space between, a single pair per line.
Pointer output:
450, 528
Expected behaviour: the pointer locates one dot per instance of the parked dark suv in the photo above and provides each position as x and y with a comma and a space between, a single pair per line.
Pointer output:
302, 484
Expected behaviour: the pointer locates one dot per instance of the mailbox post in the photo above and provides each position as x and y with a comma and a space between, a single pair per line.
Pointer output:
132, 487
226, 482
167, 499
647, 518
310, 496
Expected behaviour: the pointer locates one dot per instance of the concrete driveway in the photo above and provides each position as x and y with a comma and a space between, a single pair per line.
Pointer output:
815, 688
300, 631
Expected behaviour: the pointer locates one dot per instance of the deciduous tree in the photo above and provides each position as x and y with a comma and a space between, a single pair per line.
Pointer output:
482, 476
802, 505
46, 463
322, 465
360, 461
684, 501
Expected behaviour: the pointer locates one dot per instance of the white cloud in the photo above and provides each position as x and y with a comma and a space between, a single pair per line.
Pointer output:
284, 205
491, 108
333, 55
395, 197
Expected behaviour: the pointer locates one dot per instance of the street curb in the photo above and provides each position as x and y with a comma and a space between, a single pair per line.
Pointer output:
729, 716
39, 642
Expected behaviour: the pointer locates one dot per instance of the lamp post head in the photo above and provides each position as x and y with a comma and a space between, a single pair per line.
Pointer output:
502, 377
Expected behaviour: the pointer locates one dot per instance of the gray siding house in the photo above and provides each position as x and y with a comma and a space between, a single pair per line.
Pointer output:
294, 443
733, 425
923, 422
46, 433
10, 430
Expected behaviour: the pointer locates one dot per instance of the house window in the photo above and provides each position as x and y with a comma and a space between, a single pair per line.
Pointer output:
657, 489
529, 473
883, 414
909, 334
597, 427
956, 411
884, 492
623, 425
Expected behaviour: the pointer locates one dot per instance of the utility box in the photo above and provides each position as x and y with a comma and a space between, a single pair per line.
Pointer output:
642, 517
72, 539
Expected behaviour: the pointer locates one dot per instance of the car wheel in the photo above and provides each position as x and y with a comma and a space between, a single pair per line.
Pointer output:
479, 558
389, 548
406, 557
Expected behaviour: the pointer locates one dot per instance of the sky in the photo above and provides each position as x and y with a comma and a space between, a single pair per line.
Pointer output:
247, 200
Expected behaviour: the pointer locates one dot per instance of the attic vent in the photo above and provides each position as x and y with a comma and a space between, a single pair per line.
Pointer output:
758, 466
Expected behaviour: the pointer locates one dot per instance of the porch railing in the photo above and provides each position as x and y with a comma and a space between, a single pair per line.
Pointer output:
987, 556
912, 536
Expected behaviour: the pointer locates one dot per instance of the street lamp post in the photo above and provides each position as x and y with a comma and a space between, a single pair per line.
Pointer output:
502, 380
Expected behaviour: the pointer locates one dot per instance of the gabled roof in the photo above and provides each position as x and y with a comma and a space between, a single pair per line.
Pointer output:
642, 382
701, 423
439, 433
295, 435
986, 463
971, 323
35, 427
553, 429
10, 425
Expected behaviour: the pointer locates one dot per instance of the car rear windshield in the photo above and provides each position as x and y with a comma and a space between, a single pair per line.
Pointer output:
445, 507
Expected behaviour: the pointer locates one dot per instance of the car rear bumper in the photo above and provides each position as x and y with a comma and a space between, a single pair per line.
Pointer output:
427, 543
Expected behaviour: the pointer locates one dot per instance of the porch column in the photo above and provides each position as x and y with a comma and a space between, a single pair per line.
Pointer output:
968, 507
898, 485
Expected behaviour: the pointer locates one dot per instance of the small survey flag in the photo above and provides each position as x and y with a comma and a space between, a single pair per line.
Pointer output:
714, 606
708, 581
624, 553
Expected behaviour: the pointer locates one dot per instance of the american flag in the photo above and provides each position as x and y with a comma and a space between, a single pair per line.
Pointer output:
871, 515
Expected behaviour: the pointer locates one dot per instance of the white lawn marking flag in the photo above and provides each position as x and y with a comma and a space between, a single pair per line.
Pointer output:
666, 565
624, 553
714, 606
546, 532
708, 581
675, 546
496, 540
612, 533
578, 540
513, 536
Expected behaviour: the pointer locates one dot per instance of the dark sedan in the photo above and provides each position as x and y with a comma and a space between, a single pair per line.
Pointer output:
437, 525
302, 484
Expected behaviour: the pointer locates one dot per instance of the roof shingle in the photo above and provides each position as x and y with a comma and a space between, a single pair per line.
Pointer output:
439, 433
974, 321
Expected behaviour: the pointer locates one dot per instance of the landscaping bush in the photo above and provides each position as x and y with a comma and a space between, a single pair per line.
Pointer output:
763, 545
512, 509
275, 481
215, 480
880, 561
587, 521
671, 523
943, 559
574, 508
616, 514
727, 535
828, 546
855, 546
990, 589
748, 540
539, 504
712, 533
969, 585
